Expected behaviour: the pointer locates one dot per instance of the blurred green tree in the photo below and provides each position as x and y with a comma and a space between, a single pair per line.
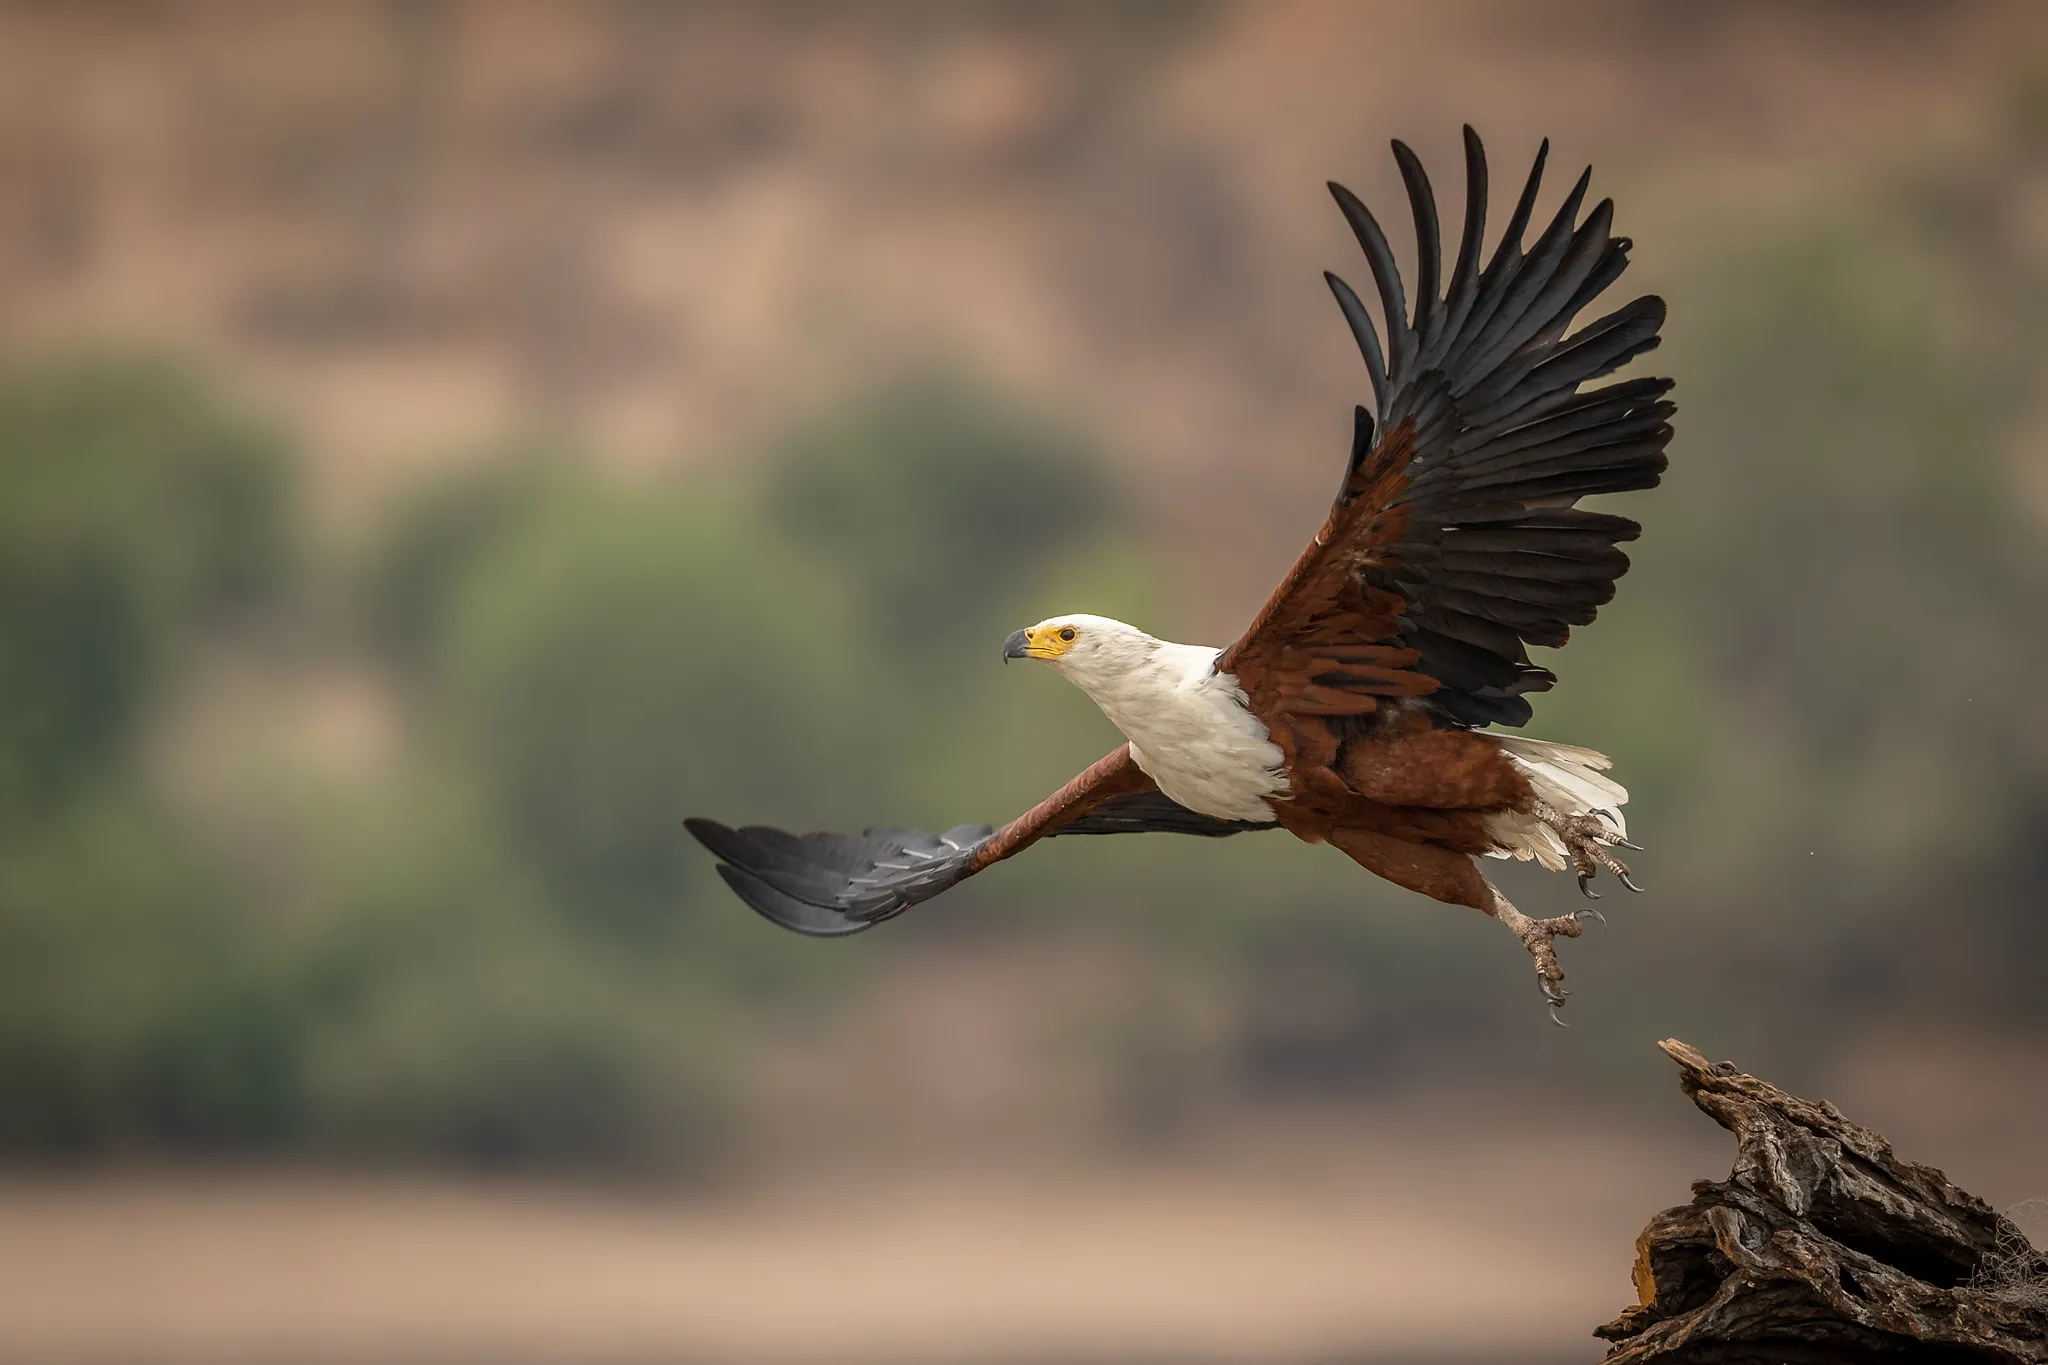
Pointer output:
932, 500
135, 512
602, 662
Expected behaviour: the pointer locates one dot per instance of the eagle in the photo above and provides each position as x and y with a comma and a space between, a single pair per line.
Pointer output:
1356, 709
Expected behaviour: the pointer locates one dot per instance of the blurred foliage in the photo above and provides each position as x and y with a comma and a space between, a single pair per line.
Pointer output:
585, 650
141, 523
490, 943
135, 514
933, 501
132, 1012
497, 948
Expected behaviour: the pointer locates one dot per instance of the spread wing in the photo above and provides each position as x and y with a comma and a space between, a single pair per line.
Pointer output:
826, 885
1454, 542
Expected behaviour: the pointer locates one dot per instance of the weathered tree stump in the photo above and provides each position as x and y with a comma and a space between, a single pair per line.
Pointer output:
1823, 1246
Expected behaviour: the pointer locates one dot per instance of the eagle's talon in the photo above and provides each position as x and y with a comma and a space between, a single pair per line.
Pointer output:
1538, 938
1629, 884
1588, 912
1586, 839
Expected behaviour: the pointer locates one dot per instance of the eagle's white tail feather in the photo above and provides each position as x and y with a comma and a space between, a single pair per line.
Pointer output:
1566, 777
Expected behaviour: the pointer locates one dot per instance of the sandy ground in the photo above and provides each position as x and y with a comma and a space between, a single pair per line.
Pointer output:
1467, 1227
1288, 1251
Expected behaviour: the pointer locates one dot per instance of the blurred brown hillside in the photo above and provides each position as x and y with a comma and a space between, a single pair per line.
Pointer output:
675, 230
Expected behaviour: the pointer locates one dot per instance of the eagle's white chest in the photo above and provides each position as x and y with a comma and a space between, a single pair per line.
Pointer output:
1192, 734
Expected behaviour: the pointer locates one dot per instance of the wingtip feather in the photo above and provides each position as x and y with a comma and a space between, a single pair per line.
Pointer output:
812, 921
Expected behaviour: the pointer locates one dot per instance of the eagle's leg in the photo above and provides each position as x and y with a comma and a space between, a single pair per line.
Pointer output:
1588, 839
1536, 936
1446, 875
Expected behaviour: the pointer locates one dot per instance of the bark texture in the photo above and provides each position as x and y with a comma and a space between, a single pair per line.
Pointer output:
1824, 1246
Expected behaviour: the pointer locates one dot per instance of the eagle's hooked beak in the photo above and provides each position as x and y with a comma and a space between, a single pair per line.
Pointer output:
1018, 646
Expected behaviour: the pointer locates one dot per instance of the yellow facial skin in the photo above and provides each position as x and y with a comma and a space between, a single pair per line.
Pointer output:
1047, 641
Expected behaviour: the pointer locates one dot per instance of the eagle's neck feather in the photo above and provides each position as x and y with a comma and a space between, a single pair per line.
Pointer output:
1188, 725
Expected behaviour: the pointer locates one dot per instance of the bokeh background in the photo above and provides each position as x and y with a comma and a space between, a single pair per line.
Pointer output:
443, 444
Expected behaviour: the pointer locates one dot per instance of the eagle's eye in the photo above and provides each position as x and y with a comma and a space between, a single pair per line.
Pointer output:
1067, 633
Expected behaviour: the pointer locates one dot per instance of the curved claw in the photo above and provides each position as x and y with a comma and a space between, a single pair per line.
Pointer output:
1557, 1018
1588, 912
1587, 891
1626, 844
1629, 884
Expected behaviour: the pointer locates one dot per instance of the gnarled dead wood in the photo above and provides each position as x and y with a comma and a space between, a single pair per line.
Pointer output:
1824, 1246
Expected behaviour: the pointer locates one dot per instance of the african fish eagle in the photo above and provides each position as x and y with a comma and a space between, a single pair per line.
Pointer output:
1352, 711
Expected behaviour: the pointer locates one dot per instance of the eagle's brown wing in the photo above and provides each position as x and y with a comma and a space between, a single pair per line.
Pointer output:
826, 885
1454, 543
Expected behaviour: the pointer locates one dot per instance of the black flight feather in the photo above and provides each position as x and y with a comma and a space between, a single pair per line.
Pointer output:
1429, 251
1492, 557
1362, 331
1387, 276
1465, 274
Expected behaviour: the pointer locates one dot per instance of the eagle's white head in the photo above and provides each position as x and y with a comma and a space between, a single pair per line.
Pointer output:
1093, 652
